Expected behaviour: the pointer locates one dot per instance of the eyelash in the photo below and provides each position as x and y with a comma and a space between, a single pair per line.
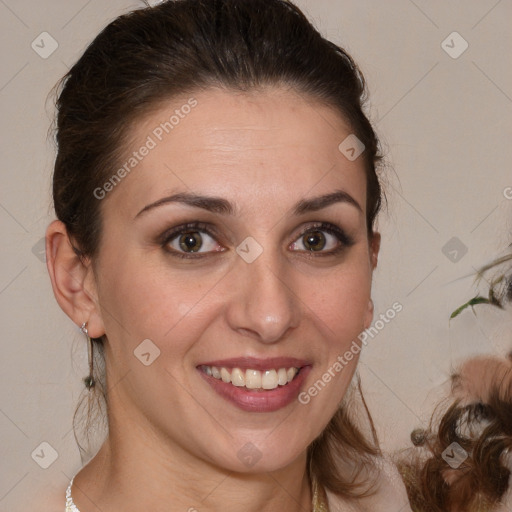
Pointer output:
344, 240
169, 235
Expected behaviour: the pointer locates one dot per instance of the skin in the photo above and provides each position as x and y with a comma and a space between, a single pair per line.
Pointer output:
172, 439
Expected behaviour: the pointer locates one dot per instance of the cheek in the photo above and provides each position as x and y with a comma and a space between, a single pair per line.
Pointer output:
141, 300
340, 304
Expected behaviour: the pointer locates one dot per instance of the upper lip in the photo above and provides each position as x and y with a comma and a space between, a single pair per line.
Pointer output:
252, 363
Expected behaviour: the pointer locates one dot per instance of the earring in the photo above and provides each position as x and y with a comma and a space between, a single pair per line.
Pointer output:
89, 380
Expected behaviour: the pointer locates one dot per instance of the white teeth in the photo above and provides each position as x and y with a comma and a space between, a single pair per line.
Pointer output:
237, 377
269, 379
224, 374
282, 376
290, 373
252, 379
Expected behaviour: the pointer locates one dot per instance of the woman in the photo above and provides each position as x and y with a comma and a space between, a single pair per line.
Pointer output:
216, 193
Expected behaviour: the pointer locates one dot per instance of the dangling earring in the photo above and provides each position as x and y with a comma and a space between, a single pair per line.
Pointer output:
89, 380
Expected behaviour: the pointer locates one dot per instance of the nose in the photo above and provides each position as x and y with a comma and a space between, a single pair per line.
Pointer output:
264, 305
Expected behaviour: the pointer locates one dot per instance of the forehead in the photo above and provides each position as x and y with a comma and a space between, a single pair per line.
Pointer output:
267, 144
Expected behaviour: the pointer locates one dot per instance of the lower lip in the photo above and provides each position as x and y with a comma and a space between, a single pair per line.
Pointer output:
258, 400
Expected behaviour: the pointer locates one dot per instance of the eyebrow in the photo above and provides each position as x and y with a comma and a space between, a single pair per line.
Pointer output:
317, 203
222, 206
211, 204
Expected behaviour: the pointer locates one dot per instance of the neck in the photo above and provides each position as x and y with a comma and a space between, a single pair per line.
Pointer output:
134, 471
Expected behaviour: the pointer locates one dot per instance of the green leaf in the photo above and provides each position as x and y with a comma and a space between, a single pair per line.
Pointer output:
475, 300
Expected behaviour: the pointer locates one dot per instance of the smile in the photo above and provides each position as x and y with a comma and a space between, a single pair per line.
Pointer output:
256, 385
251, 378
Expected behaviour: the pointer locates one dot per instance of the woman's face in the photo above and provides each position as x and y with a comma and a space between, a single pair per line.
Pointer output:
237, 241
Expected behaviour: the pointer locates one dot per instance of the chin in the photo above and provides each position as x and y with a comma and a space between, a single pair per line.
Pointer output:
257, 457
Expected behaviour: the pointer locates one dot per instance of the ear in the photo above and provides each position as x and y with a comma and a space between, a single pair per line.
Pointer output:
73, 280
369, 315
374, 249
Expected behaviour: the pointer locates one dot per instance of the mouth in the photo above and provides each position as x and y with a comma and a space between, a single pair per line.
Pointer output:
256, 385
252, 379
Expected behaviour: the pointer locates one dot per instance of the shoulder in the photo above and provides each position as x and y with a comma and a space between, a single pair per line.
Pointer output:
389, 493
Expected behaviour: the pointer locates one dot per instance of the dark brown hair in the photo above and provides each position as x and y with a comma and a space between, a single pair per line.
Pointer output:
151, 55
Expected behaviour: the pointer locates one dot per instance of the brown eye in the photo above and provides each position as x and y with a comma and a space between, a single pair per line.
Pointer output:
324, 238
191, 241
314, 241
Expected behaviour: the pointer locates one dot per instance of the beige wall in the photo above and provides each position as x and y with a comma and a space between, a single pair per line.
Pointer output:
446, 124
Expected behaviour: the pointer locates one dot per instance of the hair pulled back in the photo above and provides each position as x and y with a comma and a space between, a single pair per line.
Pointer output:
150, 56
